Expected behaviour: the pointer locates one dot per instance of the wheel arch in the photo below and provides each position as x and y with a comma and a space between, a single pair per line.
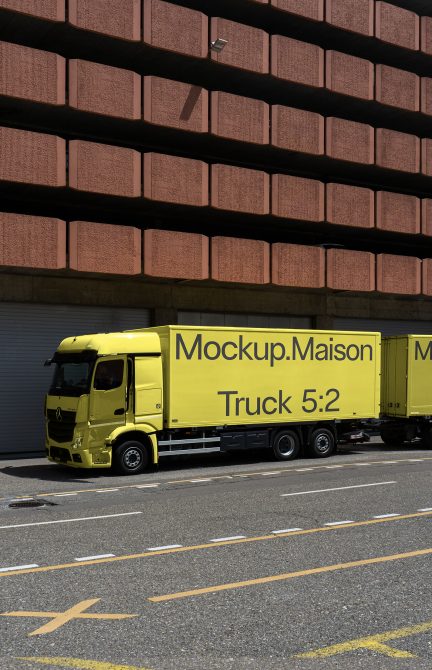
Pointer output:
125, 433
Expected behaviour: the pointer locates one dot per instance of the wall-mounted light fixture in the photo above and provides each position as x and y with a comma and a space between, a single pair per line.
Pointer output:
218, 45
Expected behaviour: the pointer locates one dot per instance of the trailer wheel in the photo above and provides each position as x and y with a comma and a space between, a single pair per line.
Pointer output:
321, 443
286, 445
130, 458
392, 437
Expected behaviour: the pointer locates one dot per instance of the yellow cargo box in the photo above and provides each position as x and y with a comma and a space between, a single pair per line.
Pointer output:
233, 376
406, 375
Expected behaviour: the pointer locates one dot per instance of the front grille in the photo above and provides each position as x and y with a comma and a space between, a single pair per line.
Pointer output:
61, 454
61, 431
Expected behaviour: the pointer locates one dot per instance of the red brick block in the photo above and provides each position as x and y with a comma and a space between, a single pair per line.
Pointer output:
397, 151
297, 198
397, 25
111, 17
32, 241
175, 104
298, 265
163, 21
426, 216
240, 190
350, 270
427, 276
238, 260
398, 212
247, 48
32, 74
53, 10
300, 62
102, 247
350, 206
426, 95
102, 168
104, 90
297, 130
426, 34
397, 88
310, 9
174, 179
398, 274
350, 141
176, 255
349, 75
426, 156
354, 15
32, 158
239, 118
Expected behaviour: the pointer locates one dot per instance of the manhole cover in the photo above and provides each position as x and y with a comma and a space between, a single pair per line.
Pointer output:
29, 503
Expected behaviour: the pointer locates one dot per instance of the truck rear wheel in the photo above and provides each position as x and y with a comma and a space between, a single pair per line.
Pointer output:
286, 445
392, 437
321, 443
130, 458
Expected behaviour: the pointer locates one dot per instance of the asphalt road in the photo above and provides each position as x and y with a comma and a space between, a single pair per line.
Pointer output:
219, 563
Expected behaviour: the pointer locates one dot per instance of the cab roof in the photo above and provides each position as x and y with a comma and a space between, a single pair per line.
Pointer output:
110, 344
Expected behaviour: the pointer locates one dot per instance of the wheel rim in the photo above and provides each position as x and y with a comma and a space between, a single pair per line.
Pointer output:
286, 445
322, 443
132, 458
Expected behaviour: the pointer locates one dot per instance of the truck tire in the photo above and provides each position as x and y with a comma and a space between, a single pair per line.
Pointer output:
321, 443
286, 445
427, 437
130, 458
392, 437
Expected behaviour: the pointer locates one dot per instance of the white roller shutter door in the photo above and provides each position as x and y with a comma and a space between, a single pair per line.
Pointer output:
29, 334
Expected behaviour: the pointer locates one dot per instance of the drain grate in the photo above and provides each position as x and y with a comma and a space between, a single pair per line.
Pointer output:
18, 504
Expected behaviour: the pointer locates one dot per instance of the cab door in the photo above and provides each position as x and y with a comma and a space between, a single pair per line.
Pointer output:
108, 396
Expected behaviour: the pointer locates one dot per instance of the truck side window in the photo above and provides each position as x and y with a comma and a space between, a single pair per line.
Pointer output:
108, 375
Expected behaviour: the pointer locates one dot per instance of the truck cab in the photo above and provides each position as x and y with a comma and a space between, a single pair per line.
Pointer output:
106, 391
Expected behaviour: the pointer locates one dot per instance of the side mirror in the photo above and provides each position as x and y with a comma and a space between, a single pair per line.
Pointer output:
48, 362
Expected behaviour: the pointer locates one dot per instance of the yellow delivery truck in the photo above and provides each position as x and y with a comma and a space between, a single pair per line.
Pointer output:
406, 390
127, 399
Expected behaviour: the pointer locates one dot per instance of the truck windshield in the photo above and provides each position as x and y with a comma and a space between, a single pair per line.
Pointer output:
72, 377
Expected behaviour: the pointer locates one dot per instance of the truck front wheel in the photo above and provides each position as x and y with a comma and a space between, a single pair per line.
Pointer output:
286, 445
321, 443
130, 458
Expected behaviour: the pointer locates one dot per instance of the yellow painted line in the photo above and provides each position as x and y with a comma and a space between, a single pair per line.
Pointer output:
59, 619
81, 664
372, 642
210, 545
287, 575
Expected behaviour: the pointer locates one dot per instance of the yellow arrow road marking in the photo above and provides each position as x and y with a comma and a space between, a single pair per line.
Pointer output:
211, 545
82, 664
372, 642
287, 575
59, 619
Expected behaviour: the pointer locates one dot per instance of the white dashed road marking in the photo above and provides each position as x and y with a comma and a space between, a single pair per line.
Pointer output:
338, 523
338, 488
384, 516
91, 558
167, 546
286, 530
227, 539
19, 567
84, 518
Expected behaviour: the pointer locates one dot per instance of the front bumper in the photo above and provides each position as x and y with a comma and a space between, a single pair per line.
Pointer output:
79, 458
